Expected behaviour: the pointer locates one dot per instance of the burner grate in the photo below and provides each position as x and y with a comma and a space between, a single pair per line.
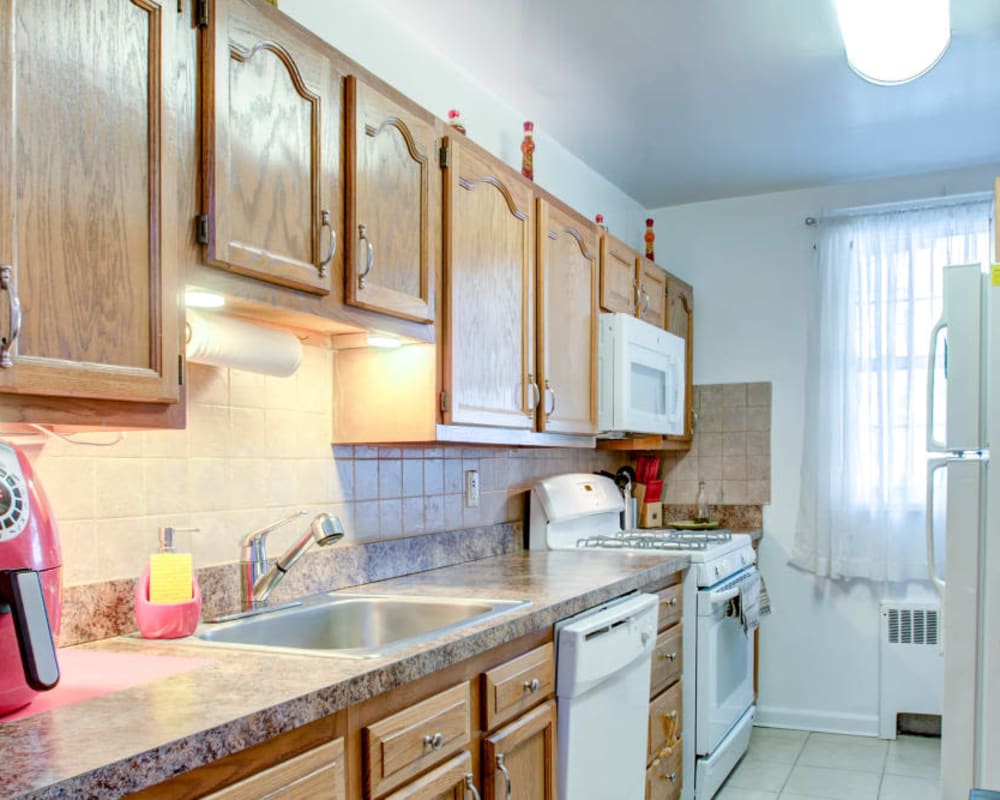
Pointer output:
656, 540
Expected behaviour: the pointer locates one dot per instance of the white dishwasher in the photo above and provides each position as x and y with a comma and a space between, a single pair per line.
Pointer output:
602, 684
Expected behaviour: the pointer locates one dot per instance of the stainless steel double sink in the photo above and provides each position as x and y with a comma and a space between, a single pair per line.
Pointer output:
353, 625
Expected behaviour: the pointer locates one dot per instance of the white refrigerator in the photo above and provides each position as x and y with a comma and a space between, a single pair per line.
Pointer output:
964, 553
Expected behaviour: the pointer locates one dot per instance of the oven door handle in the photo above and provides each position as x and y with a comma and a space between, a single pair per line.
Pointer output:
725, 595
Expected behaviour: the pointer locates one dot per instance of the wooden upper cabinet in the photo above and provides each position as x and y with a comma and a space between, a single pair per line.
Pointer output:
652, 292
88, 270
271, 113
680, 321
391, 164
619, 267
488, 375
519, 760
568, 279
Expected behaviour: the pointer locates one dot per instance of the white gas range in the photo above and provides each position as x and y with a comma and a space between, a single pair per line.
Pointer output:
583, 512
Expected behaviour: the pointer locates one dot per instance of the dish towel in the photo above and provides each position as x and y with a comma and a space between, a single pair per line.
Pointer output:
765, 598
750, 604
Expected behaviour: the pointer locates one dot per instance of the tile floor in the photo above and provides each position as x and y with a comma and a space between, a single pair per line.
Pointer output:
798, 765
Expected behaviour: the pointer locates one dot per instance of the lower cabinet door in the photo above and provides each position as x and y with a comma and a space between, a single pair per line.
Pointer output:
453, 780
519, 760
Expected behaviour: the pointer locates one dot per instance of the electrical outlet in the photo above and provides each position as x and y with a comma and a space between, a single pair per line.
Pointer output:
471, 488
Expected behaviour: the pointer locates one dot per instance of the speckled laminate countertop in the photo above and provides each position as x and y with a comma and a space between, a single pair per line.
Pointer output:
113, 745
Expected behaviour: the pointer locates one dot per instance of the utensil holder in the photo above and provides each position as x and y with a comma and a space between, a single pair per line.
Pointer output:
651, 515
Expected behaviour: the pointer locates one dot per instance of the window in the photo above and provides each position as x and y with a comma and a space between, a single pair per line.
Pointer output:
879, 295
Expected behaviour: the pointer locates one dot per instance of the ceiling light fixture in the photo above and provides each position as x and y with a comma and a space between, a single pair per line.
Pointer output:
894, 41
384, 342
196, 298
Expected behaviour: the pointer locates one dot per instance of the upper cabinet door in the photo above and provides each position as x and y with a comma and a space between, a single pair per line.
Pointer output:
618, 276
567, 320
270, 111
488, 376
680, 321
88, 277
652, 293
392, 164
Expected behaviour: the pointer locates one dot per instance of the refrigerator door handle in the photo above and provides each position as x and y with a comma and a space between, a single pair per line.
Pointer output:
932, 467
933, 445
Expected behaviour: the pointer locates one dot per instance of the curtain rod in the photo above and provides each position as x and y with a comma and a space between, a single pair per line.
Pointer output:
905, 205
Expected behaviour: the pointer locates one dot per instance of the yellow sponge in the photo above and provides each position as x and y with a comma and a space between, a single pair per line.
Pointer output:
171, 576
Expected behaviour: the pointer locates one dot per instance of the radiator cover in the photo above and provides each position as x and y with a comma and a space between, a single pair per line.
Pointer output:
912, 662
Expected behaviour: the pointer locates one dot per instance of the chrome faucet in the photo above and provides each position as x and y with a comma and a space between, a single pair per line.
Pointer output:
259, 581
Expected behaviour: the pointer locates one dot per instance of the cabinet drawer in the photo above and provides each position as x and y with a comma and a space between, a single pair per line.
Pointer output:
398, 747
664, 778
671, 606
665, 720
521, 683
317, 774
447, 782
667, 660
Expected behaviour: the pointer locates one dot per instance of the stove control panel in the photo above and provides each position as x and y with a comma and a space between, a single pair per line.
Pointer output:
714, 570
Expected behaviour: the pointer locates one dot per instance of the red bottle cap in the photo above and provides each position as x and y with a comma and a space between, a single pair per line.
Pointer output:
529, 126
599, 219
453, 114
649, 223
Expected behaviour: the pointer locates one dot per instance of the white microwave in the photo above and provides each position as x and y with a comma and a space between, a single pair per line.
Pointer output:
640, 378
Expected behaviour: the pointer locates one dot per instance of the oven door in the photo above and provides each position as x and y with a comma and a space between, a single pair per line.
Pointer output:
724, 664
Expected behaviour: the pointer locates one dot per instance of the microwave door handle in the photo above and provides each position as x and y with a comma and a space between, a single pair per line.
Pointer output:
676, 389
933, 445
932, 467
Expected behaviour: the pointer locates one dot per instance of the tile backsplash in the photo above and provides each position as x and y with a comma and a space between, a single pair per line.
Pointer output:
731, 450
257, 448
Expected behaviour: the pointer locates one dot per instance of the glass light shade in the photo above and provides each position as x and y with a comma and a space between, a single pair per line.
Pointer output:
894, 41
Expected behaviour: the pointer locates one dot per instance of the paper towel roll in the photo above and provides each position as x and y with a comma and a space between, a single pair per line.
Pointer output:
235, 343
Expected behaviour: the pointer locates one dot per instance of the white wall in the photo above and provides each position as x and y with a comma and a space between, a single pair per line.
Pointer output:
364, 32
752, 264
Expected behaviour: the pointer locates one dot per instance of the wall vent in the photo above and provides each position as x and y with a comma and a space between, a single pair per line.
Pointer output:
913, 625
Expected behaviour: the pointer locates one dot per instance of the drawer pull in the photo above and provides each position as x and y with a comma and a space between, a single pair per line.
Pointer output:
506, 775
470, 788
672, 777
7, 343
672, 602
532, 686
435, 742
668, 656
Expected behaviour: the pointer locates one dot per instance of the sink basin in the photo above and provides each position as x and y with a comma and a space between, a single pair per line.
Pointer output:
358, 626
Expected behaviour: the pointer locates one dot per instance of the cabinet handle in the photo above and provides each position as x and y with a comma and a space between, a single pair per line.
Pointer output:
506, 775
667, 656
435, 742
672, 777
533, 685
645, 301
370, 259
325, 223
672, 602
534, 396
550, 391
470, 788
7, 343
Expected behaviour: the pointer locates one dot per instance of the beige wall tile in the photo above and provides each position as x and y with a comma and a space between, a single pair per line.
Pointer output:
366, 520
413, 478
390, 478
208, 431
758, 468
734, 418
413, 515
208, 385
365, 480
434, 513
121, 487
434, 476
711, 396
710, 420
734, 395
247, 389
70, 484
710, 468
734, 492
208, 487
758, 443
759, 418
708, 444
734, 468
78, 539
390, 518
453, 506
734, 444
759, 394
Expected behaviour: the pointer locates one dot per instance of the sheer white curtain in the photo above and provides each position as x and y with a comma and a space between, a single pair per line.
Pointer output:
863, 475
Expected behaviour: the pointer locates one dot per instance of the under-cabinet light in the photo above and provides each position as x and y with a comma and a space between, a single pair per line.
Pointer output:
196, 298
894, 41
384, 342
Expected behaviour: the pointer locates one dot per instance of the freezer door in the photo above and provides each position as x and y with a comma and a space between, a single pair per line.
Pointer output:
962, 425
964, 521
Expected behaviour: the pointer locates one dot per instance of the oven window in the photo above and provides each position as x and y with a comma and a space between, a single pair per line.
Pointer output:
649, 389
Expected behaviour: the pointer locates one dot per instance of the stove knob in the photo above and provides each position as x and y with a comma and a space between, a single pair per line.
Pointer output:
646, 636
716, 572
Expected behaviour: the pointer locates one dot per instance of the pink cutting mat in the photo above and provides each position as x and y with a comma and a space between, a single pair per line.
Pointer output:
86, 674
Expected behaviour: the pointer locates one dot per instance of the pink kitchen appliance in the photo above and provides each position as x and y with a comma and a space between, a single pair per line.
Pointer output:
30, 584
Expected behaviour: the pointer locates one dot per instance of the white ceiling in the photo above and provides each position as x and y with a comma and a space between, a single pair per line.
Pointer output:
683, 100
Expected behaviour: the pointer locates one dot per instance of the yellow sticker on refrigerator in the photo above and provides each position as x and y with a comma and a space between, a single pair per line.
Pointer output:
995, 275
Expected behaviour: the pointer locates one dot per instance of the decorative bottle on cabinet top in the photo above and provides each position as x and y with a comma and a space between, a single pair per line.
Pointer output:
650, 237
599, 219
455, 120
527, 152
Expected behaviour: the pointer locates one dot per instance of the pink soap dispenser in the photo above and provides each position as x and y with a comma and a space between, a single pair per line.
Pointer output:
166, 620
